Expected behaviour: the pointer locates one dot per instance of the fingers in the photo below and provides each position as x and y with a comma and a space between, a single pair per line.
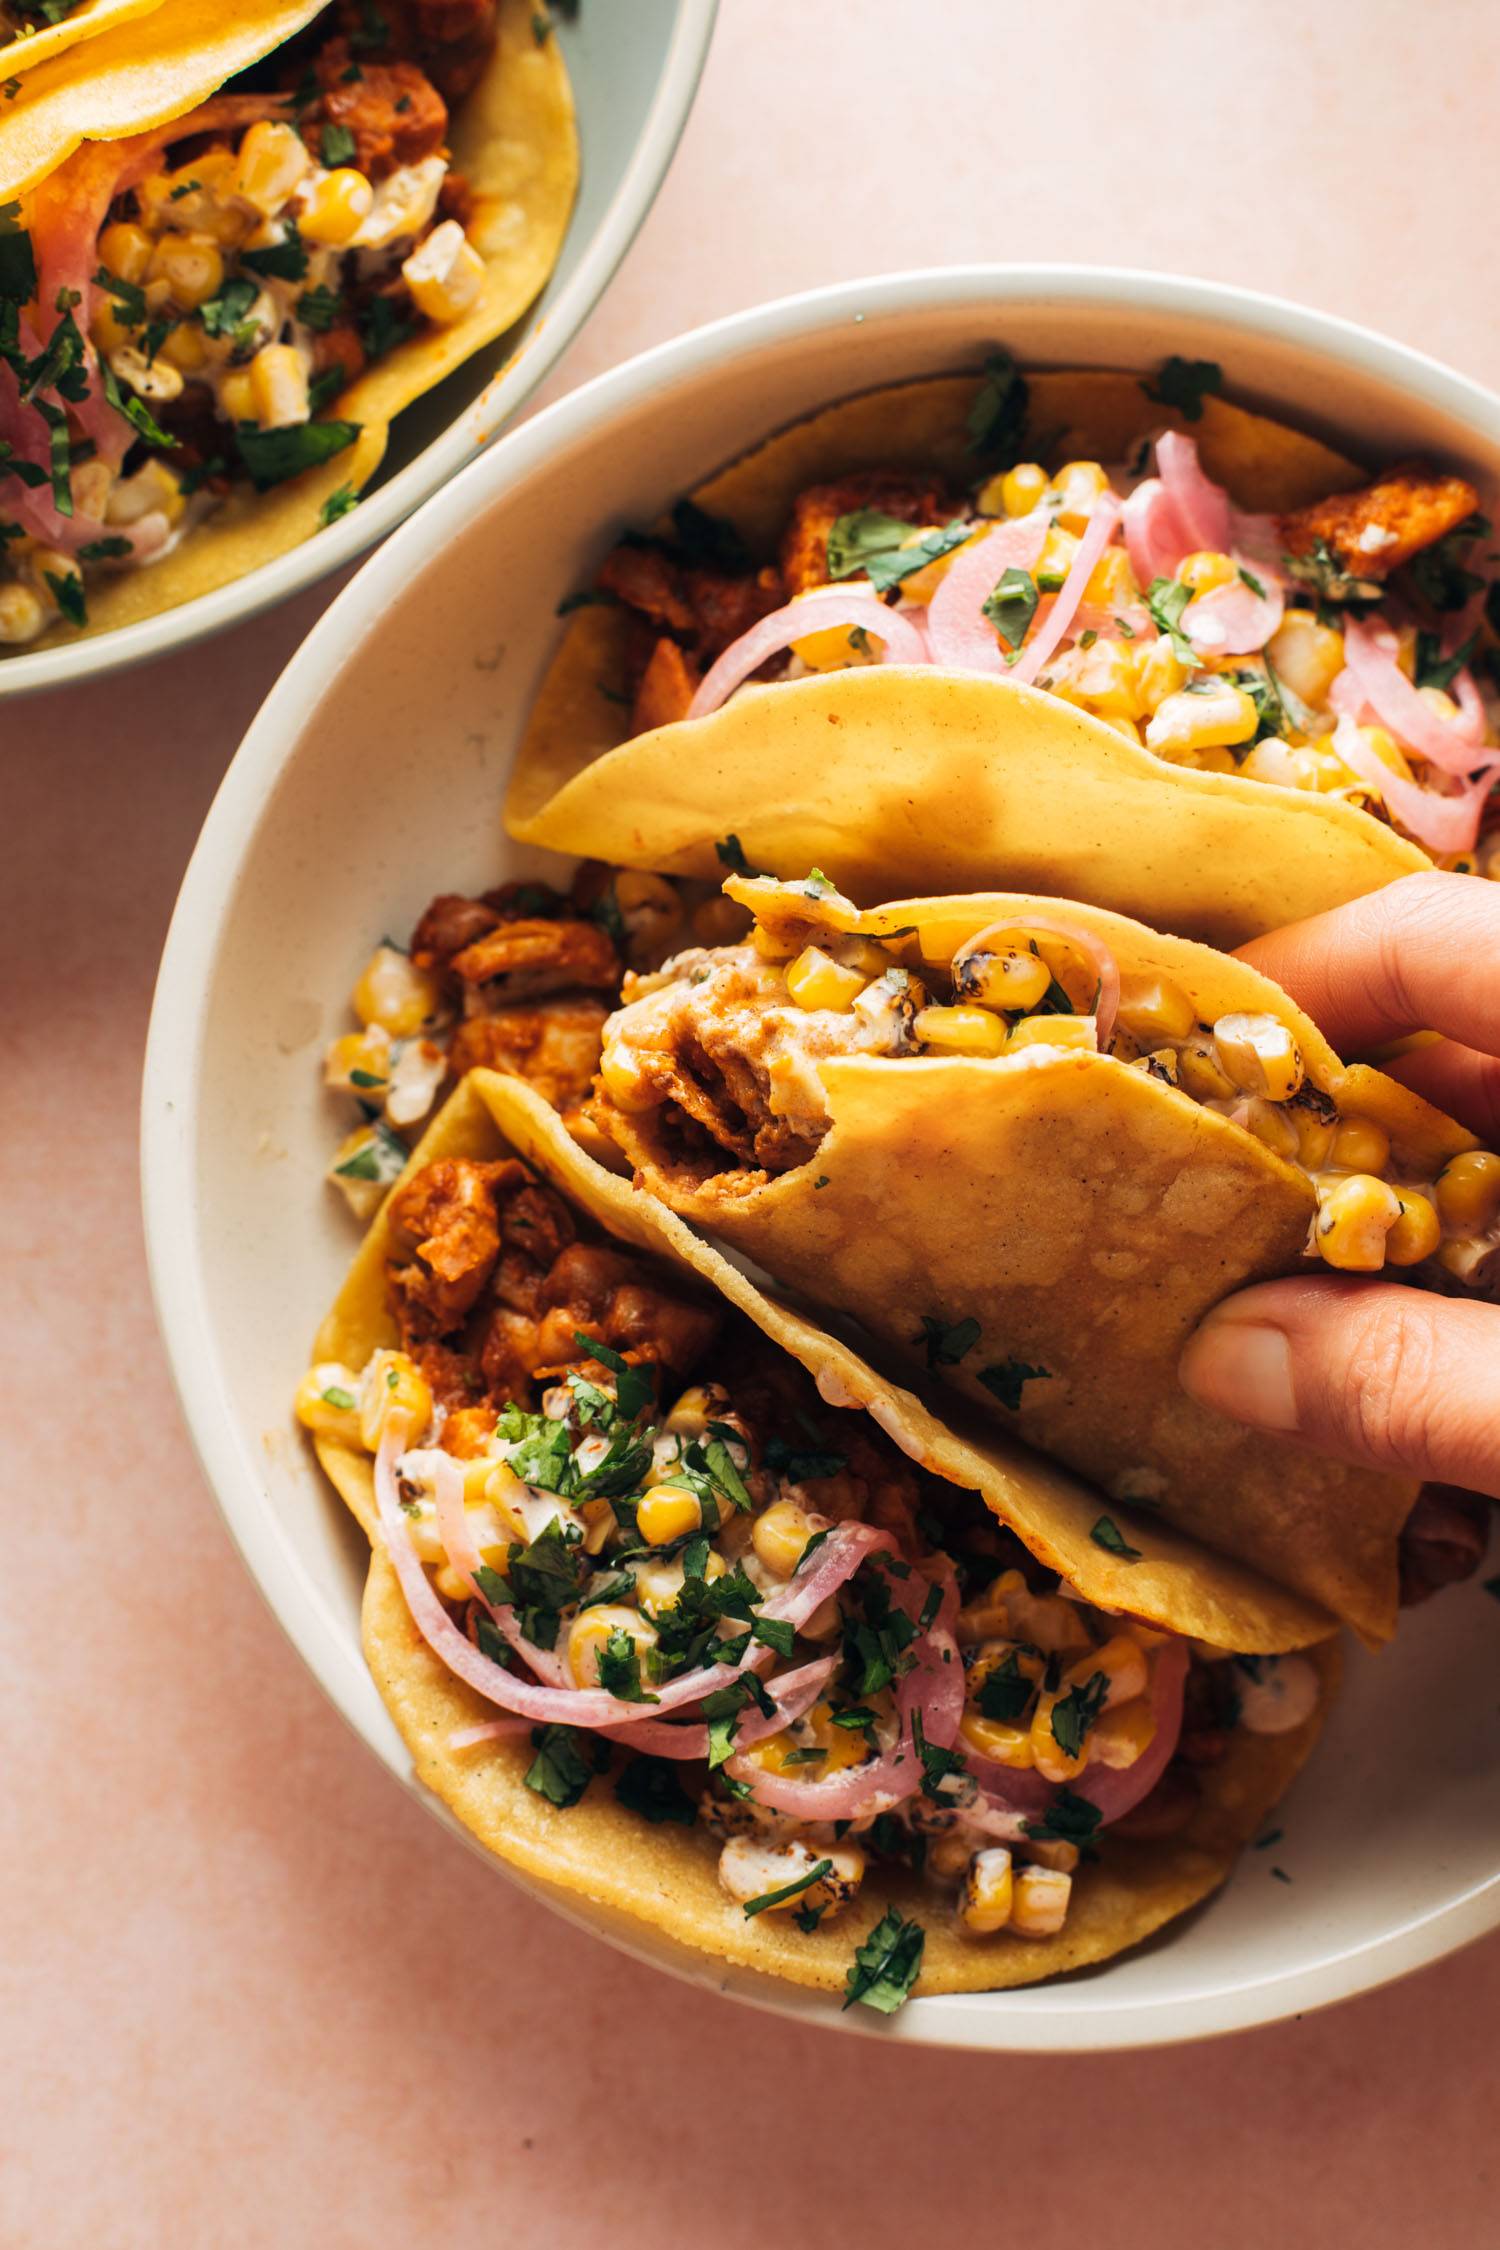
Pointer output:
1387, 1376
1463, 1083
1416, 956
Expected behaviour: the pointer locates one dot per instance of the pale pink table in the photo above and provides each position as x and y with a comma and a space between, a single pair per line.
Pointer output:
249, 1993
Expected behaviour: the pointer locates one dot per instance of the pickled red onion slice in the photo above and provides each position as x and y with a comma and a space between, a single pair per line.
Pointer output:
957, 629
1441, 823
1154, 537
817, 612
792, 1692
1202, 507
1103, 517
1234, 620
1370, 661
1018, 1794
1106, 969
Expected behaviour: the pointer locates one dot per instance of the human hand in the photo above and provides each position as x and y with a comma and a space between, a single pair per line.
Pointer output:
1389, 1376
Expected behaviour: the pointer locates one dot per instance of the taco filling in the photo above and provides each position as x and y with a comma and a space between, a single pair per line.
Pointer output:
179, 310
721, 1049
1335, 647
634, 1529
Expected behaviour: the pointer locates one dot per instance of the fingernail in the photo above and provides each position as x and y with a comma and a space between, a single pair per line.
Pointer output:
1244, 1368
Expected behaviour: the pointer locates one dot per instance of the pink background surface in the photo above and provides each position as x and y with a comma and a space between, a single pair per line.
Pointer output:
249, 1992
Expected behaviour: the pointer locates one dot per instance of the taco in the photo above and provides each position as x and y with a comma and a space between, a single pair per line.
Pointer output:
681, 1607
1063, 671
208, 325
33, 31
1032, 1144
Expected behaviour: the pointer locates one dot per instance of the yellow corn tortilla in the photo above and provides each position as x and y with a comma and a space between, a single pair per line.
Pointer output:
514, 138
665, 1876
86, 21
918, 780
1088, 1217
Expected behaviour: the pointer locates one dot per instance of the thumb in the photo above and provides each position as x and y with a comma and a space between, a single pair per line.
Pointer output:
1387, 1376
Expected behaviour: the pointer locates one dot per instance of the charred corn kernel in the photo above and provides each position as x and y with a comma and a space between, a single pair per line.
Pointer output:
328, 1401
1314, 1138
1053, 1031
125, 250
1153, 1009
719, 921
960, 1031
1206, 717
445, 274
1160, 1063
237, 396
592, 1629
1416, 1233
1111, 583
841, 1747
1307, 655
1039, 1901
751, 1868
22, 615
1056, 558
1013, 978
1359, 1145
108, 330
1051, 1760
395, 994
1017, 492
1260, 1055
185, 347
1473, 1261
1075, 488
1207, 568
272, 164
1123, 1663
1102, 677
153, 490
278, 385
1468, 1190
393, 1384
667, 1513
987, 1891
1355, 1215
359, 1062
622, 1078
192, 265
814, 980
154, 379
335, 207
659, 1584
996, 1738
649, 907
1158, 673
1124, 1734
989, 1616
779, 1535
1200, 1072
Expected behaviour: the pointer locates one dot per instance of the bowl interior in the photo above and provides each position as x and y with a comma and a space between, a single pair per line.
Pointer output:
633, 72
373, 778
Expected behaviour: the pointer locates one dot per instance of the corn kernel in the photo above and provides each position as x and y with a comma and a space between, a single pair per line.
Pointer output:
1383, 745
185, 348
1273, 1127
237, 396
1153, 1009
272, 163
393, 1384
1355, 1215
1013, 978
658, 1585
1207, 568
1201, 1073
328, 1401
278, 385
1314, 1138
1307, 655
1123, 1663
335, 207
1209, 716
1039, 1901
1051, 1760
1416, 1233
751, 1868
699, 1404
1468, 1190
814, 980
153, 490
1260, 1055
1102, 677
591, 1630
23, 614
396, 995
997, 1739
125, 250
666, 1514
960, 1031
1359, 1145
987, 1891
621, 1077
1019, 491
445, 274
1124, 1734
1073, 1032
771, 944
359, 1062
108, 331
1056, 558
192, 265
1159, 673
842, 1747
1075, 488
779, 1535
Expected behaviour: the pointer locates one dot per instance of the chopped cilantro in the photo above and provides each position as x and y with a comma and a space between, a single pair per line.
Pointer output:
877, 1644
67, 592
135, 410
559, 1772
338, 504
1281, 1874
382, 1158
27, 471
1166, 599
1183, 384
793, 1889
129, 297
319, 308
653, 1788
587, 597
938, 1765
382, 325
279, 261
272, 456
1249, 578
1008, 1378
1074, 1714
541, 1580
798, 1464
1107, 1534
635, 1388
997, 419
112, 549
946, 1345
1005, 1692
226, 312
1272, 1836
886, 1966
1433, 669
336, 146
1011, 607
778, 1633
1069, 1819
17, 260
619, 1667
336, 1395
875, 543
817, 884
1441, 574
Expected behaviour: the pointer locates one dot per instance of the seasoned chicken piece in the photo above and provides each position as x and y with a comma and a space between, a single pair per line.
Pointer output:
701, 607
804, 545
395, 113
445, 1238
554, 1045
1373, 531
648, 580
526, 960
449, 924
666, 689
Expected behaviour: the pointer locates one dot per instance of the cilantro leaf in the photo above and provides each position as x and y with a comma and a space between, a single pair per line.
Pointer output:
997, 419
279, 261
1433, 669
135, 410
1008, 1378
1166, 599
1441, 574
793, 1889
381, 1159
1005, 1692
272, 456
799, 1464
1107, 1534
111, 549
868, 540
1069, 1819
946, 1345
653, 1788
1011, 607
1183, 384
635, 1388
778, 1633
339, 503
559, 1771
225, 313
619, 1666
1074, 1714
731, 854
886, 1965
708, 540
129, 297
336, 146
67, 592
938, 1764
17, 260
319, 308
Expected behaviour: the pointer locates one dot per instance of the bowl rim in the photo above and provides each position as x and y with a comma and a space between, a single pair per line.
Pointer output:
549, 328
1061, 2017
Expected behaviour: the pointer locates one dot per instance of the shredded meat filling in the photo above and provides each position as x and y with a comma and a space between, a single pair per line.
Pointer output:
395, 113
1375, 530
554, 1047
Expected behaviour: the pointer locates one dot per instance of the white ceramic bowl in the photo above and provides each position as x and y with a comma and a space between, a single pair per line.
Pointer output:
634, 72
373, 778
